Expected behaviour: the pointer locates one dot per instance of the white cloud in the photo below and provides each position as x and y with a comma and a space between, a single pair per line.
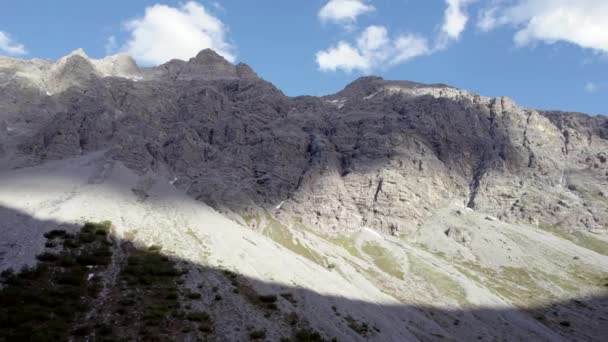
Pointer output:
408, 47
10, 47
455, 19
166, 33
342, 57
580, 22
344, 12
374, 49
590, 87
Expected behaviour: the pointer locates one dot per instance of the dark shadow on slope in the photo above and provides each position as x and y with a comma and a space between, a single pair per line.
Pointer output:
116, 289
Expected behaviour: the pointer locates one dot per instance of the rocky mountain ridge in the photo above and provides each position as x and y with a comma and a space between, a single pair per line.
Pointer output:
382, 154
389, 211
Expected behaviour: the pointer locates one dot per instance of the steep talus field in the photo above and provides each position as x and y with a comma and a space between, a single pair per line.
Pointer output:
389, 211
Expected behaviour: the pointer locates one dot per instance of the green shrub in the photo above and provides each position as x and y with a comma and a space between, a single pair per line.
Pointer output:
47, 257
7, 273
230, 274
205, 328
66, 261
155, 248
267, 298
257, 334
198, 316
87, 238
360, 328
292, 318
71, 243
55, 233
308, 335
193, 295
101, 232
71, 279
42, 303
173, 296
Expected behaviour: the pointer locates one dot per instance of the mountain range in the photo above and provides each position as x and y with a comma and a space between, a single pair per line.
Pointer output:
391, 210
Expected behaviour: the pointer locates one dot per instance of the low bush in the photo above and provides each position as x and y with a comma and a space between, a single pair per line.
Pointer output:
155, 248
55, 233
198, 316
360, 328
257, 334
193, 295
43, 302
267, 298
47, 257
308, 335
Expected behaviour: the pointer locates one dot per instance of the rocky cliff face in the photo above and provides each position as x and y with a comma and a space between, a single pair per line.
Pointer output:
379, 154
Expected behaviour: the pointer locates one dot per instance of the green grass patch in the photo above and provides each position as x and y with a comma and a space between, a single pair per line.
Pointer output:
445, 285
347, 243
283, 236
252, 218
580, 238
383, 259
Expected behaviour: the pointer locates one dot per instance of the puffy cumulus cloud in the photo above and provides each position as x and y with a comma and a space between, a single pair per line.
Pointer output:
455, 19
580, 22
344, 12
408, 47
373, 49
342, 57
10, 47
166, 33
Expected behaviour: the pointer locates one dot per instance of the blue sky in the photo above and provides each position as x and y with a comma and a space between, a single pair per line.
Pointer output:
549, 54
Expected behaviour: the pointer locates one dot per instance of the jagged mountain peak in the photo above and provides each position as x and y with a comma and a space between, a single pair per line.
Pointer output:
209, 56
78, 52
121, 65
206, 65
